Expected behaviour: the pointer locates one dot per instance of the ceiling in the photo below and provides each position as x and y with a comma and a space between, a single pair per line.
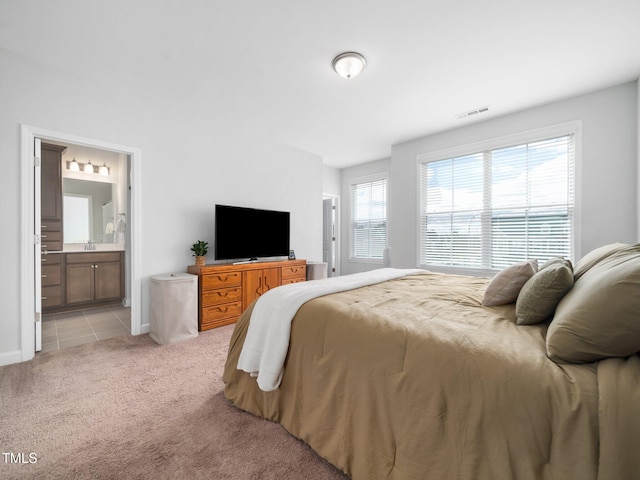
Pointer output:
266, 65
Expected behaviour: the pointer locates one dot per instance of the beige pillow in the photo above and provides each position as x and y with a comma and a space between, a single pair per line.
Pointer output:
600, 317
541, 294
506, 284
594, 257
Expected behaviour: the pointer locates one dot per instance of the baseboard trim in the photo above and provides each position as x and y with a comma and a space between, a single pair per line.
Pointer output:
145, 328
10, 357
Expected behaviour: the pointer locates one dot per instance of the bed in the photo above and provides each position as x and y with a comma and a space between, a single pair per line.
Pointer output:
414, 378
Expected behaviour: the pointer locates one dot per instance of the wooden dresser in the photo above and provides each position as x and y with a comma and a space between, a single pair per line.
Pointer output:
226, 290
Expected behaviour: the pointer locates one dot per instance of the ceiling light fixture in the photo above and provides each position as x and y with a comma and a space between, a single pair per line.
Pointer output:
349, 64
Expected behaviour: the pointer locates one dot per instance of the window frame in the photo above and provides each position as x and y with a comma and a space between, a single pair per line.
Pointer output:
529, 136
381, 176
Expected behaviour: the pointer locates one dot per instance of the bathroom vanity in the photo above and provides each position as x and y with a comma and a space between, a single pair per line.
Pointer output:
79, 280
82, 236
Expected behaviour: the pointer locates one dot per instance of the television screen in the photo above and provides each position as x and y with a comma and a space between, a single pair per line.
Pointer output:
249, 233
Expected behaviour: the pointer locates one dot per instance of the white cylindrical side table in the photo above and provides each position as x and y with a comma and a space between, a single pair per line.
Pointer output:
174, 307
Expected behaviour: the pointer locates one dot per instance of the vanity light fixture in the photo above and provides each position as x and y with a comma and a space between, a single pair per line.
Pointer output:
74, 166
89, 168
349, 64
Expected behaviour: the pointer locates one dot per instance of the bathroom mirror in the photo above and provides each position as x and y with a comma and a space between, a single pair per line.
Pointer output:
89, 213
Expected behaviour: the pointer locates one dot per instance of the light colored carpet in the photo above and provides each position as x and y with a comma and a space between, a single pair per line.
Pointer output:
127, 408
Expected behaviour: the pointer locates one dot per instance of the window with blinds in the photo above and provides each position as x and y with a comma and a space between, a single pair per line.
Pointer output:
369, 217
493, 208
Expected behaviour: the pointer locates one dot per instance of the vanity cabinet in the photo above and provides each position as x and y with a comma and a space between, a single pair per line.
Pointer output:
51, 182
52, 280
93, 278
51, 197
52, 264
226, 290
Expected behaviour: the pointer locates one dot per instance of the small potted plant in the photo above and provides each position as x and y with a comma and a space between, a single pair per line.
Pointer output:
199, 250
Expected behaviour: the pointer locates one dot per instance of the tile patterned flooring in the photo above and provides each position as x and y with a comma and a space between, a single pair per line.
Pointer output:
61, 330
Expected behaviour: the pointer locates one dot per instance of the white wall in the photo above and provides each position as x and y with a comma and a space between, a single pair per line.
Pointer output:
608, 166
609, 170
331, 181
189, 163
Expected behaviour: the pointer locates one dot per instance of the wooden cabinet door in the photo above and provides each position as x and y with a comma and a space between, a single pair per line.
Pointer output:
107, 280
80, 282
271, 278
51, 182
257, 282
252, 284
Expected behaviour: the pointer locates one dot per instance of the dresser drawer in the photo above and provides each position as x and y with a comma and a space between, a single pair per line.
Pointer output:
92, 257
294, 271
219, 312
221, 280
287, 281
50, 237
221, 295
51, 275
51, 259
51, 296
51, 246
50, 225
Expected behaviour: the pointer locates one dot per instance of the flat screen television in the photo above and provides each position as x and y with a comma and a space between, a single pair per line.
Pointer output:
248, 233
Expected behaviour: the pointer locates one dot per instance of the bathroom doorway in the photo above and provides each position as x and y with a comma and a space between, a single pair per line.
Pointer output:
97, 239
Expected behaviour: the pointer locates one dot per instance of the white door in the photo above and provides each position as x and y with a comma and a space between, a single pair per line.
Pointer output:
37, 281
328, 235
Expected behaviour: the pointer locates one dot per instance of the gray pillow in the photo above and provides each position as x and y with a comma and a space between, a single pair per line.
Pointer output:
600, 317
506, 284
541, 294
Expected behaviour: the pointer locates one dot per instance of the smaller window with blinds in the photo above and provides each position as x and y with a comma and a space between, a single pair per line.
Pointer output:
368, 230
489, 209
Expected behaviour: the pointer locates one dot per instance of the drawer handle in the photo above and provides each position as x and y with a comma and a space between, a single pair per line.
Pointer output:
43, 236
44, 276
44, 298
223, 310
43, 259
43, 226
44, 252
44, 246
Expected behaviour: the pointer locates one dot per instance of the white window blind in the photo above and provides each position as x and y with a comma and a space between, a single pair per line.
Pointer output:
494, 208
369, 217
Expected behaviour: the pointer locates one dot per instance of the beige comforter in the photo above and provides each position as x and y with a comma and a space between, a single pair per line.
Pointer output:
414, 379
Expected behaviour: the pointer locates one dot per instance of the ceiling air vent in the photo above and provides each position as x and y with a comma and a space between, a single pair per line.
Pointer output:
471, 113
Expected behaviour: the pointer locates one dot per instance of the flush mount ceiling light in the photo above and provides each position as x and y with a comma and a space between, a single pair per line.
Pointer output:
349, 64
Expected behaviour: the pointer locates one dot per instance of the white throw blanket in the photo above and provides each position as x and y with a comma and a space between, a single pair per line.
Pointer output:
267, 342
